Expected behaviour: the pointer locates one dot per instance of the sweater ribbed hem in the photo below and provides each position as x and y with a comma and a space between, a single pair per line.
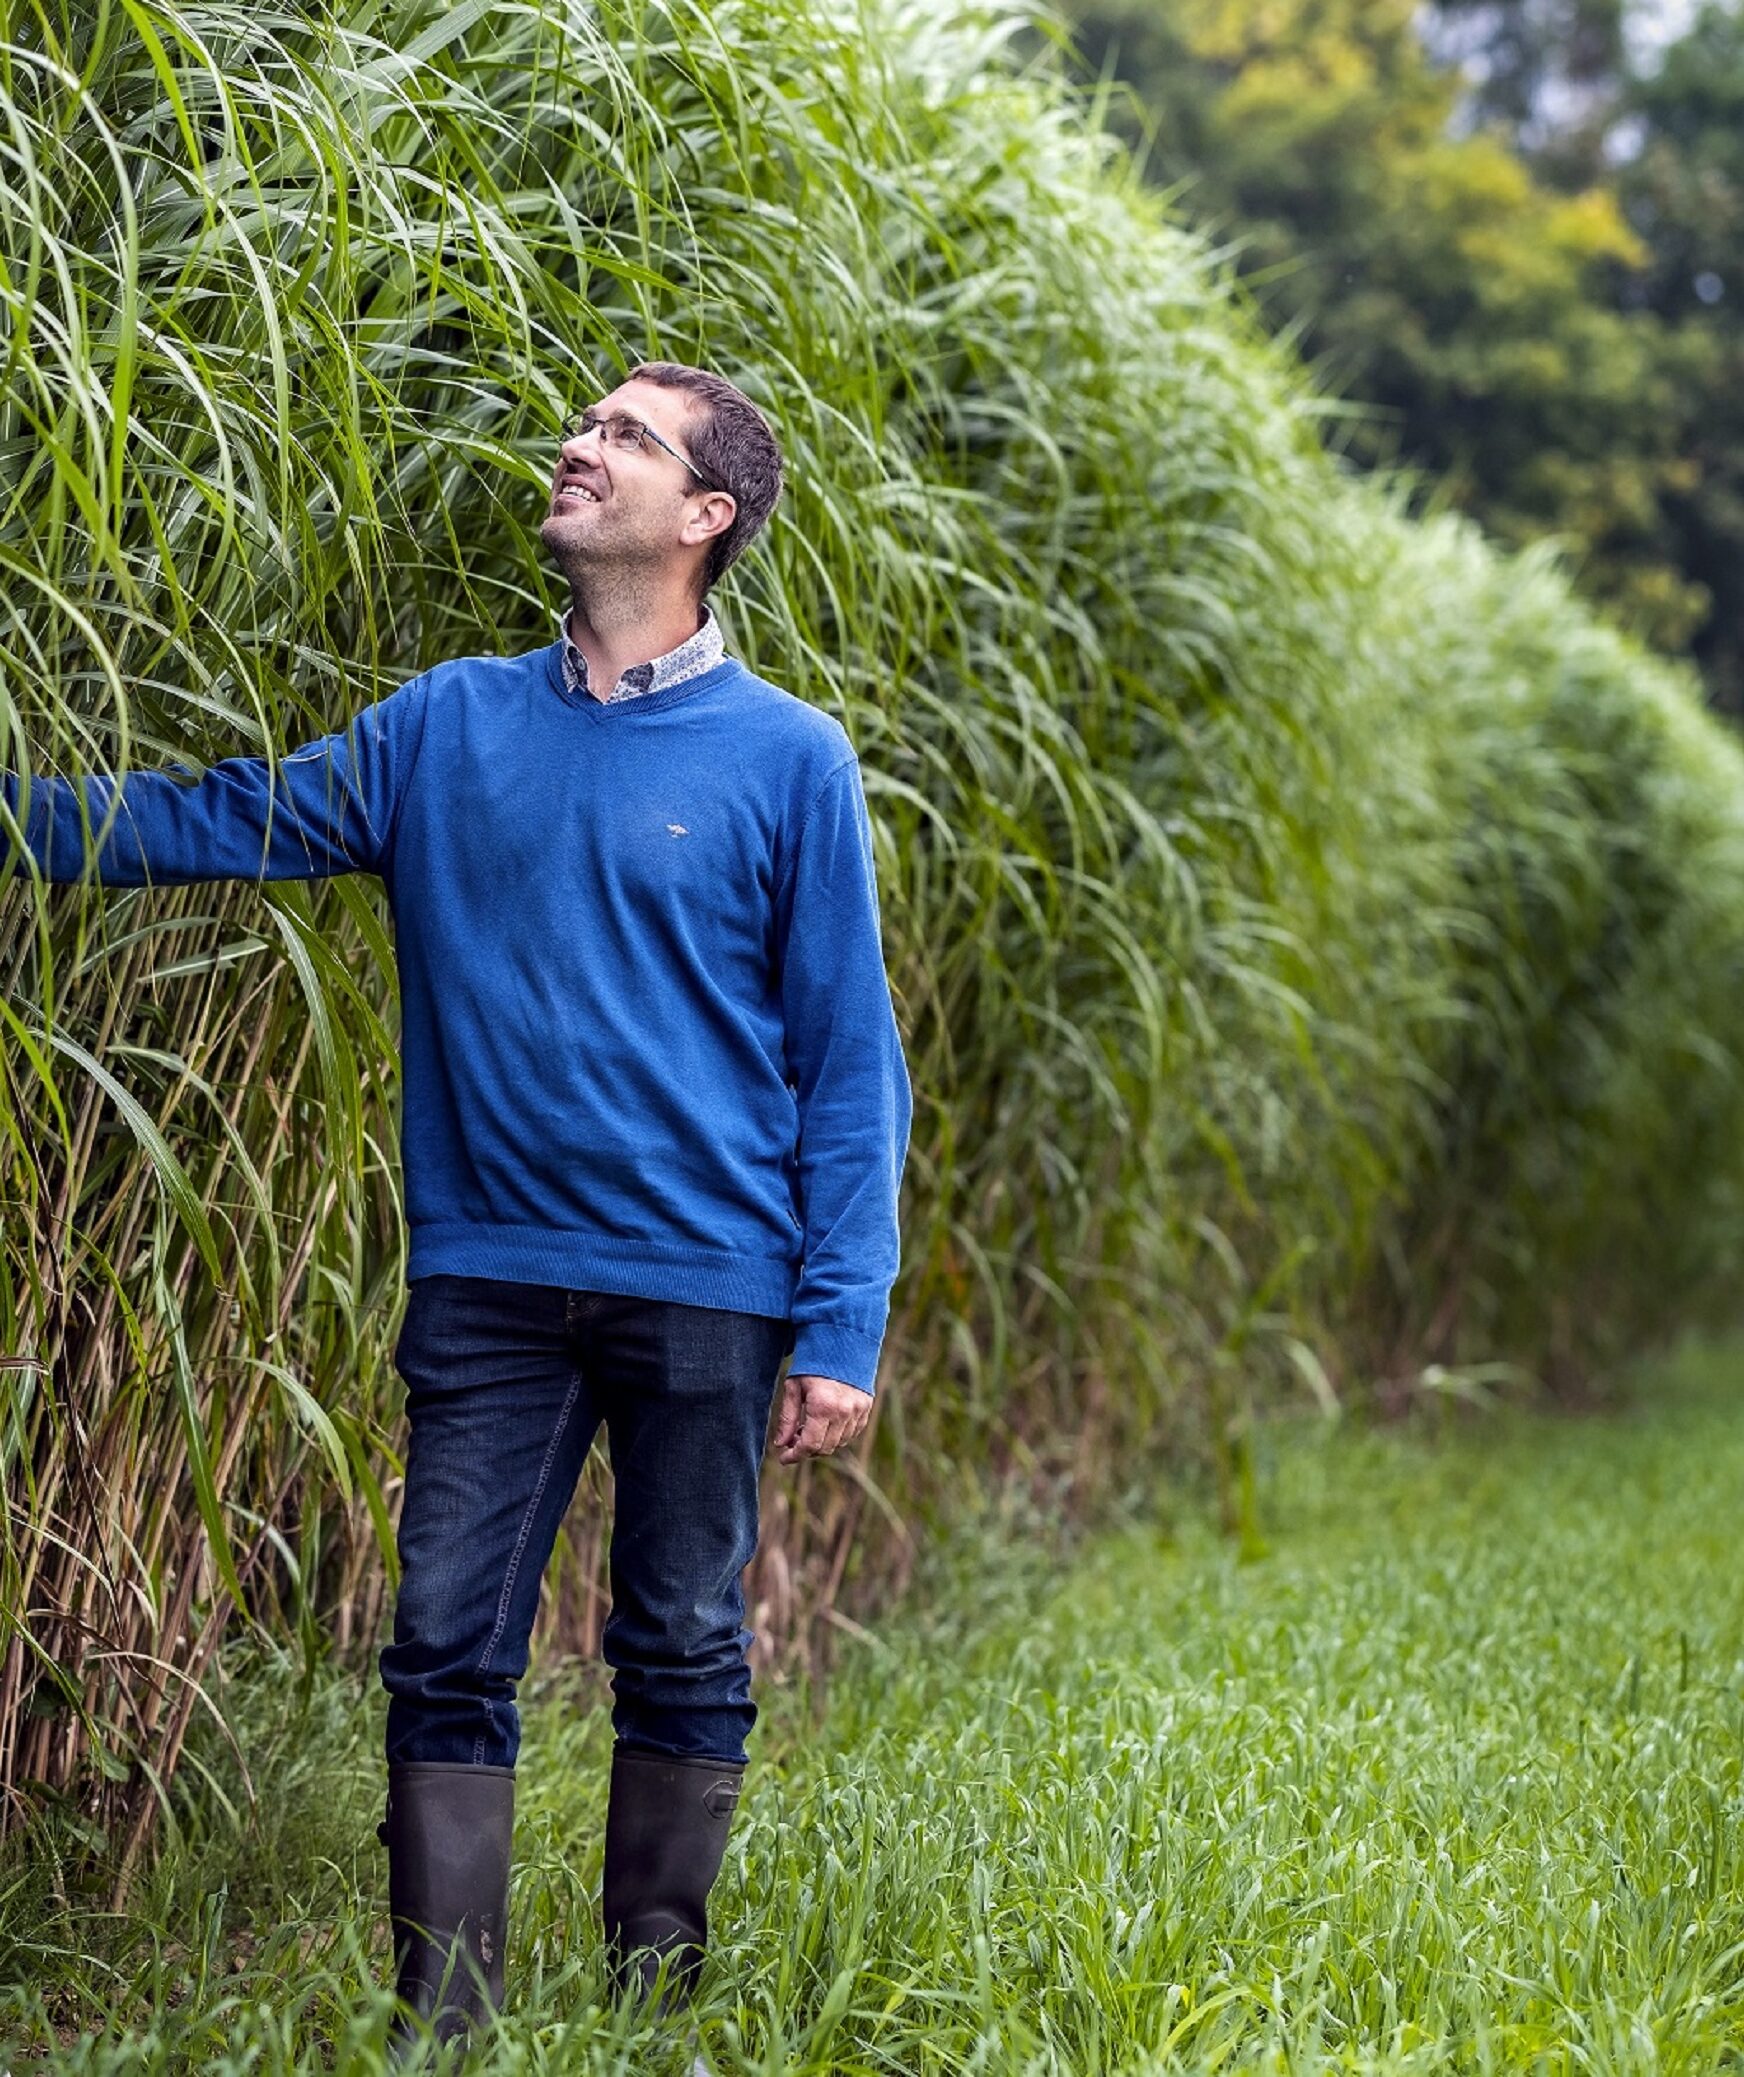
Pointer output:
597, 1262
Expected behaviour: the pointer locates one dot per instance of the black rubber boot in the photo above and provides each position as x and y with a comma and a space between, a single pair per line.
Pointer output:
666, 1829
447, 1833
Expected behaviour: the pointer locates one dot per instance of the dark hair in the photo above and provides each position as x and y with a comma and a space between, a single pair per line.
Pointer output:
734, 446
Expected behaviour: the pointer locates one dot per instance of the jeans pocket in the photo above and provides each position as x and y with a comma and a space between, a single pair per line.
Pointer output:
424, 1301
407, 1321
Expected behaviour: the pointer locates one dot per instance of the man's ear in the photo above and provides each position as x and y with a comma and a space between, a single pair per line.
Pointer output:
713, 516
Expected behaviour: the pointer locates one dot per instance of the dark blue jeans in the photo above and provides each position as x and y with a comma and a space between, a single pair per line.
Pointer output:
506, 1386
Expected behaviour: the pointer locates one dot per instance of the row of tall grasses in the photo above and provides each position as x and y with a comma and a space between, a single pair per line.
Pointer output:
1317, 943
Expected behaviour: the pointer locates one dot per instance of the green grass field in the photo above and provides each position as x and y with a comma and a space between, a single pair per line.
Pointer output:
1447, 1778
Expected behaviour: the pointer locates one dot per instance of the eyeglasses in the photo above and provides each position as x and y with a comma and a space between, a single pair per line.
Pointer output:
622, 431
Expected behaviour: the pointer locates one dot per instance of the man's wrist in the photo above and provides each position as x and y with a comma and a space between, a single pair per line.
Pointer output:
823, 1349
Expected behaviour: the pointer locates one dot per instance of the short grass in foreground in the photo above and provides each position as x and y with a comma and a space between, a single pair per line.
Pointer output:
1450, 1779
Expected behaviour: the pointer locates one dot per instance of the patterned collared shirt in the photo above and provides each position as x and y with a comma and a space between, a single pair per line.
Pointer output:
699, 652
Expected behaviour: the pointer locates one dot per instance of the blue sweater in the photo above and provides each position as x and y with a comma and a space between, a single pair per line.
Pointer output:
646, 1037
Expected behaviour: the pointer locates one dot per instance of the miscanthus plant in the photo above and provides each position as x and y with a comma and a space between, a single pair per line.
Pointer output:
1318, 944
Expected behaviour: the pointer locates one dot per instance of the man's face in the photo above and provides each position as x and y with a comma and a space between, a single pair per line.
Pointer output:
628, 506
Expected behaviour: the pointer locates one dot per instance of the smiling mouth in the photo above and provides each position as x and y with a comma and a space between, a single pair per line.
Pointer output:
576, 494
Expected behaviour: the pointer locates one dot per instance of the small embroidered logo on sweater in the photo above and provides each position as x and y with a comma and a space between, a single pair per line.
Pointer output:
678, 829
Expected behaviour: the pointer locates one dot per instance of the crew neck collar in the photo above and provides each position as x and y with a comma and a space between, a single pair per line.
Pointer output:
652, 702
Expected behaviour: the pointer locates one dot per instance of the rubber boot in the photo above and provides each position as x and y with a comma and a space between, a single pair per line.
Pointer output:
447, 1832
667, 1820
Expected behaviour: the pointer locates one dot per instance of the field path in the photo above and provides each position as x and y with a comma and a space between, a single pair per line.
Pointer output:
1449, 1779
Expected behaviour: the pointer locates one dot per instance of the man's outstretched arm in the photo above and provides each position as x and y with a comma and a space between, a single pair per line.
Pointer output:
855, 1100
326, 807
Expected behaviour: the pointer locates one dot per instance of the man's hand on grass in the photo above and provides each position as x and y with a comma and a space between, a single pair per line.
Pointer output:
818, 1415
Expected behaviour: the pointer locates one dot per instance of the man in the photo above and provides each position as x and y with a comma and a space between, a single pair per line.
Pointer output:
655, 1115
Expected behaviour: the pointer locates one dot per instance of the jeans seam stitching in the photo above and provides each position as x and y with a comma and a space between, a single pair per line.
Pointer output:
519, 1550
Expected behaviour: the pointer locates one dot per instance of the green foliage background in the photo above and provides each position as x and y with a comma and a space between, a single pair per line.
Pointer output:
1509, 237
1317, 942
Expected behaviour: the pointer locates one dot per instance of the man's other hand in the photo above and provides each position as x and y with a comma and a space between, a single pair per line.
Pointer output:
818, 1415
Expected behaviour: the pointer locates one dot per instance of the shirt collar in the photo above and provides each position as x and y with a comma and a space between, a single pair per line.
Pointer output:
697, 653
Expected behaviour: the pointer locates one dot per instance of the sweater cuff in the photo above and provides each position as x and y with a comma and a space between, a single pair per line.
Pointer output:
823, 1350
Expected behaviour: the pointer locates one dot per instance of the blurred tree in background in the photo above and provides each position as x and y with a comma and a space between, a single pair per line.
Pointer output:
1508, 235
1683, 189
1545, 72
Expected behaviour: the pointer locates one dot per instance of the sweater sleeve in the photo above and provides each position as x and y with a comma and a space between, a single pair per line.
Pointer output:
846, 1065
326, 807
